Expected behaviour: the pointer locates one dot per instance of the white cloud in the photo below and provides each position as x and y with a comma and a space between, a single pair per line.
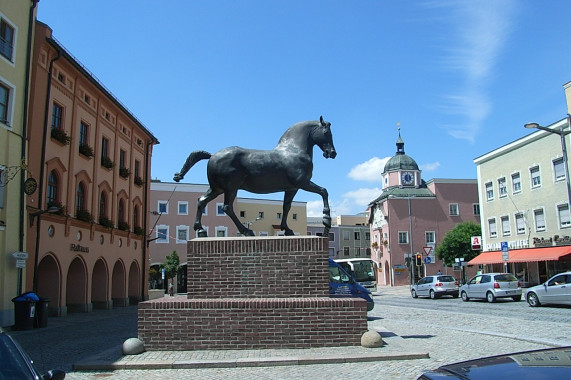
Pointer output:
430, 166
369, 170
479, 36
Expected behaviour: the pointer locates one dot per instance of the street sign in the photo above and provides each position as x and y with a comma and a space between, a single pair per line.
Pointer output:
505, 251
20, 263
427, 250
20, 255
427, 260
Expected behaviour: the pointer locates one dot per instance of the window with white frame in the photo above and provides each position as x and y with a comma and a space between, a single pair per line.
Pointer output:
516, 183
219, 209
357, 251
345, 235
535, 176
539, 220
279, 216
260, 215
506, 229
558, 169
263, 233
7, 39
162, 234
492, 227
182, 234
182, 208
346, 251
520, 223
563, 216
476, 207
454, 209
502, 187
163, 207
221, 231
489, 191
403, 237
430, 237
6, 95
357, 235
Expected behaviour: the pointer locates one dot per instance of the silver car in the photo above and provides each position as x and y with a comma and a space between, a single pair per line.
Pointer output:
491, 286
556, 290
435, 286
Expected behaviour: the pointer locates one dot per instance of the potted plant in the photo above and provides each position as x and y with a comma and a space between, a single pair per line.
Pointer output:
123, 226
375, 245
106, 162
59, 134
124, 172
84, 215
58, 205
106, 222
138, 231
86, 150
138, 181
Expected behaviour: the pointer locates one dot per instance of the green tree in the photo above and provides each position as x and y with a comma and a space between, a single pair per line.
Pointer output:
458, 243
171, 265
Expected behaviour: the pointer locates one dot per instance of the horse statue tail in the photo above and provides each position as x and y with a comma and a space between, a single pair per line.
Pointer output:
192, 159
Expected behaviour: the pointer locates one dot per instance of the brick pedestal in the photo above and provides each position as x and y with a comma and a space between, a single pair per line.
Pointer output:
252, 293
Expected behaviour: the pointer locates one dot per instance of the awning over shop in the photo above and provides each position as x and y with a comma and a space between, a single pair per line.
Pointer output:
523, 255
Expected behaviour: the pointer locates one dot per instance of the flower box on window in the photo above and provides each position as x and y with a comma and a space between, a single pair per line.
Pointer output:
106, 162
138, 181
106, 222
57, 204
86, 150
59, 135
123, 226
84, 215
124, 172
138, 231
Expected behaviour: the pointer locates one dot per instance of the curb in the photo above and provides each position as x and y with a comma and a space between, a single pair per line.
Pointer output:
129, 364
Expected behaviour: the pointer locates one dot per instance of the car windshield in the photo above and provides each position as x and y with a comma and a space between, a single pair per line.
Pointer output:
364, 271
13, 366
446, 279
505, 277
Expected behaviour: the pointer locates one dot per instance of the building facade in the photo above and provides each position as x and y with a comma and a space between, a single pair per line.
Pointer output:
91, 158
16, 34
411, 216
524, 202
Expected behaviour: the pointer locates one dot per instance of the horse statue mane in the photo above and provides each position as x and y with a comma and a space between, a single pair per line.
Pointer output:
288, 167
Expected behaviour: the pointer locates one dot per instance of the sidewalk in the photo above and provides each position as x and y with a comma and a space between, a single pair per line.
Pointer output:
93, 341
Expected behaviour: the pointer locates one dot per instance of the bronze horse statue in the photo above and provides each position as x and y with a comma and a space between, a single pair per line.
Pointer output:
288, 167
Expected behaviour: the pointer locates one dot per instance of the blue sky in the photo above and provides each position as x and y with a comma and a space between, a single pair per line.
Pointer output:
460, 78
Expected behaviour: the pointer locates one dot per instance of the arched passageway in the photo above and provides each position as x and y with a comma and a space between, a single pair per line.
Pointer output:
76, 289
118, 293
100, 286
49, 284
134, 283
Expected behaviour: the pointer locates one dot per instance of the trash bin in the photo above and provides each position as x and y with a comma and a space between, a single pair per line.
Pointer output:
42, 312
25, 311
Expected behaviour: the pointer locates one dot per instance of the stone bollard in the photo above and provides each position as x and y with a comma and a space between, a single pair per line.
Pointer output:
133, 346
371, 339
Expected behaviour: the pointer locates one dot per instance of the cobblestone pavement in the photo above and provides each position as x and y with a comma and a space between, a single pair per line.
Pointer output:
446, 334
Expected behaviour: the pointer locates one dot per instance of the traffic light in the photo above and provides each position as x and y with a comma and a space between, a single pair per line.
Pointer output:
418, 259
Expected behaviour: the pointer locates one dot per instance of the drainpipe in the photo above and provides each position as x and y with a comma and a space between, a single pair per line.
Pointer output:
29, 53
42, 169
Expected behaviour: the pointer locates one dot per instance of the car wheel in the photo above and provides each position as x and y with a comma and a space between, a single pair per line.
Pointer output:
517, 298
490, 297
432, 295
532, 300
465, 297
414, 295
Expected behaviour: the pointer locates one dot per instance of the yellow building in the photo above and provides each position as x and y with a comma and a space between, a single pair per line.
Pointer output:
16, 33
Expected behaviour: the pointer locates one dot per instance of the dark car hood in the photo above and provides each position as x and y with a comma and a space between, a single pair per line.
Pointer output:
541, 364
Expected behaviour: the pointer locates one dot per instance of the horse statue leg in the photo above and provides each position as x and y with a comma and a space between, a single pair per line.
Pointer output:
288, 198
313, 188
229, 197
202, 202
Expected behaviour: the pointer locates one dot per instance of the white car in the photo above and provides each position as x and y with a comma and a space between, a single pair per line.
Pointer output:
556, 290
435, 287
491, 286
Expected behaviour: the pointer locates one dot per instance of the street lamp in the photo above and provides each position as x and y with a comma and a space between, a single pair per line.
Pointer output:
51, 210
249, 223
562, 135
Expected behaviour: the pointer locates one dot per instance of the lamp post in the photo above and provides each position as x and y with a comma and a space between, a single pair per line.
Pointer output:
562, 135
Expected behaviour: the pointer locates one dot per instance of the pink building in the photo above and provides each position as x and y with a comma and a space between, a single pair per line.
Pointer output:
411, 216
